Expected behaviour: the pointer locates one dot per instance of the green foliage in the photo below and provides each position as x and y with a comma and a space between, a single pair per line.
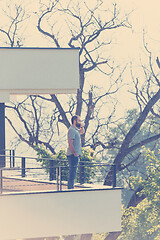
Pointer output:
86, 170
143, 221
135, 161
99, 236
59, 159
86, 167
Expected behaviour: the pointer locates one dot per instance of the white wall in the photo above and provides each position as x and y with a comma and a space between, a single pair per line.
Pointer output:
39, 70
59, 213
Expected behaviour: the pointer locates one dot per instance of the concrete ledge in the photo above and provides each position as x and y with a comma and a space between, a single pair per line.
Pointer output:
45, 214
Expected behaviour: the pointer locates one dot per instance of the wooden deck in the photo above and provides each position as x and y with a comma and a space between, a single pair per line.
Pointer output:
10, 185
25, 185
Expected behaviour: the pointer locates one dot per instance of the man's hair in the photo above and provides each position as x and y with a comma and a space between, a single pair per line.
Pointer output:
74, 118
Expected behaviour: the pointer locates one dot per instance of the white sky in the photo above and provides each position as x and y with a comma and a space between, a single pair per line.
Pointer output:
146, 15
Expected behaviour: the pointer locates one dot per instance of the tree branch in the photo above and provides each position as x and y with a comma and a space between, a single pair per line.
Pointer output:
52, 36
124, 150
64, 119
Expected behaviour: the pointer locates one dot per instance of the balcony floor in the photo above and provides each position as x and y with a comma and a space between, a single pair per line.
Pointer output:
11, 185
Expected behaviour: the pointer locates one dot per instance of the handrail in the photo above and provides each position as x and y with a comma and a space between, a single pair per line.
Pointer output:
50, 159
55, 170
11, 156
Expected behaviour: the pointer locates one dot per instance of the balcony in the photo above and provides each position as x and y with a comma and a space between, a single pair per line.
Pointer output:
39, 208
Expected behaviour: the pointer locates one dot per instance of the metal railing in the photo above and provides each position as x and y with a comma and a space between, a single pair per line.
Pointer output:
56, 171
11, 156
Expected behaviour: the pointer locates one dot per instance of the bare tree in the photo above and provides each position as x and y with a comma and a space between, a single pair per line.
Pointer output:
84, 27
14, 18
148, 97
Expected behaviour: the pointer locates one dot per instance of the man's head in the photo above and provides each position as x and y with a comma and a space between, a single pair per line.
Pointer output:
76, 121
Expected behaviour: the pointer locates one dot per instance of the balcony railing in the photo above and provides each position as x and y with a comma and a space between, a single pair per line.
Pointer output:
56, 171
43, 206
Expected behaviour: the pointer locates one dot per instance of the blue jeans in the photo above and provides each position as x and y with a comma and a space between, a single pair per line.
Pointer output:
73, 164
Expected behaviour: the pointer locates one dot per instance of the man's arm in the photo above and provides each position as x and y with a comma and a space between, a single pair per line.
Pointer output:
71, 147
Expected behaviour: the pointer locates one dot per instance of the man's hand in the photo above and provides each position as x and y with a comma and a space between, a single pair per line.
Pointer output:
82, 131
76, 155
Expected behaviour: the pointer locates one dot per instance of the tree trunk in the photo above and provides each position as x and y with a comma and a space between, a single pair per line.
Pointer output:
86, 236
113, 236
69, 237
79, 93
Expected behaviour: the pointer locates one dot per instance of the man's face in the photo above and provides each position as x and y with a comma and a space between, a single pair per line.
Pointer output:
78, 122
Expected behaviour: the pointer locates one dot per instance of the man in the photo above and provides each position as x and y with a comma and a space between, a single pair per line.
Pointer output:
74, 150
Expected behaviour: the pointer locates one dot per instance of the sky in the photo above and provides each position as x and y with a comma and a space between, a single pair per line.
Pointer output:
145, 15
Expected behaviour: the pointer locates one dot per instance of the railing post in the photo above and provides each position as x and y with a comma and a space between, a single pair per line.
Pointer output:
23, 163
114, 175
13, 157
1, 182
2, 135
57, 177
51, 170
10, 157
81, 170
60, 178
